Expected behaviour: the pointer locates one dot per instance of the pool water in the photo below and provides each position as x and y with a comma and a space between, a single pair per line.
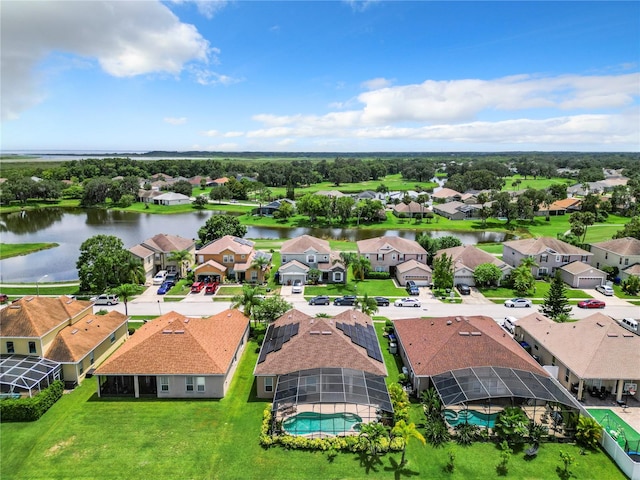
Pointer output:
474, 417
311, 422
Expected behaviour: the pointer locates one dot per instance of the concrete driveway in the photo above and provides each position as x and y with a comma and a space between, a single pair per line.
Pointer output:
475, 298
613, 300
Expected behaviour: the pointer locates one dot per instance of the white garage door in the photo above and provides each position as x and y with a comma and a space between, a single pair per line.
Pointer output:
590, 282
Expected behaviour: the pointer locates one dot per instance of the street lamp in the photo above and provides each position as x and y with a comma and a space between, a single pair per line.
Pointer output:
38, 286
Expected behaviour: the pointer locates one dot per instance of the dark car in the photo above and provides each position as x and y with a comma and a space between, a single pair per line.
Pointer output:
172, 277
319, 300
463, 288
382, 301
4, 297
346, 300
591, 303
412, 288
164, 288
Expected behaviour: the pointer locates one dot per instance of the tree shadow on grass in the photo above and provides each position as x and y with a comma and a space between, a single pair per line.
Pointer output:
369, 462
400, 470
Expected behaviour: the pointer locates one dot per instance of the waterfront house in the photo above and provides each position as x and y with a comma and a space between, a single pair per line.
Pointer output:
386, 253
549, 254
466, 258
305, 252
154, 253
231, 257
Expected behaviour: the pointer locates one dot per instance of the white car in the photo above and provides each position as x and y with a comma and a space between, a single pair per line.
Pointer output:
407, 302
605, 290
297, 286
517, 303
159, 277
106, 300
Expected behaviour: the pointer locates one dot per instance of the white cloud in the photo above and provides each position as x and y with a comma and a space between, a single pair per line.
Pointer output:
233, 134
175, 121
360, 5
208, 77
376, 83
207, 8
126, 39
211, 133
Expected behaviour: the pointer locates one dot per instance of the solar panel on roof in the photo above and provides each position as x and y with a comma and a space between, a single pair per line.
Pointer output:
295, 329
278, 344
339, 325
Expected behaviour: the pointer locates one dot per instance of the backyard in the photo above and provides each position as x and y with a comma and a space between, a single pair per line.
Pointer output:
219, 439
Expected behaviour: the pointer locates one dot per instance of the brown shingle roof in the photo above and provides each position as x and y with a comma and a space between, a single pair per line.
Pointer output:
594, 347
621, 246
535, 246
387, 244
174, 344
303, 244
141, 251
470, 256
435, 345
74, 342
410, 265
163, 242
35, 316
578, 267
306, 350
237, 245
445, 193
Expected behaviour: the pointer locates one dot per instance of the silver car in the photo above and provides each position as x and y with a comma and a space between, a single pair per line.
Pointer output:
106, 300
517, 303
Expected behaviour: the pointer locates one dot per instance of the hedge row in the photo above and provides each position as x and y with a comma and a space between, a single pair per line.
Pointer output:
377, 275
30, 409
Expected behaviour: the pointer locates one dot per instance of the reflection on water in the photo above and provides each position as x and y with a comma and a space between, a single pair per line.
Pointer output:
69, 227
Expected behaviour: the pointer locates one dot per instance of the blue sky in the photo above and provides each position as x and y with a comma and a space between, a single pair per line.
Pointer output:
334, 76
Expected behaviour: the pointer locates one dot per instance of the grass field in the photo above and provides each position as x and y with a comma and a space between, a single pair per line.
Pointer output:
530, 182
541, 290
8, 250
83, 436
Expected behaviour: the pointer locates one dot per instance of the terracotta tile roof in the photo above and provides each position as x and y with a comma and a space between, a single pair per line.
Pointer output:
74, 342
594, 347
35, 316
306, 350
621, 246
566, 203
535, 246
470, 256
237, 245
445, 193
174, 344
221, 180
436, 345
410, 265
578, 267
303, 244
163, 242
388, 244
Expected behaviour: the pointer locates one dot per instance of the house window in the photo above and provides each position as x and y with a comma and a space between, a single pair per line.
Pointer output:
379, 269
535, 346
113, 337
543, 271
200, 384
32, 347
380, 257
189, 383
393, 257
10, 348
311, 259
367, 256
81, 366
200, 258
565, 258
544, 258
626, 261
606, 255
558, 258
566, 375
583, 258
553, 361
92, 357
254, 275
242, 257
228, 259
337, 276
268, 384
164, 384
401, 257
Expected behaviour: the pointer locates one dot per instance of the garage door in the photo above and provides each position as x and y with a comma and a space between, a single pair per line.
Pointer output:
590, 282
421, 280
468, 279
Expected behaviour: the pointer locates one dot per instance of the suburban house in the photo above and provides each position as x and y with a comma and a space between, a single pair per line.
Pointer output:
410, 210
62, 334
446, 195
559, 207
270, 208
370, 195
620, 252
386, 253
549, 254
418, 272
590, 355
231, 257
323, 365
471, 360
301, 254
147, 196
466, 258
330, 193
456, 210
171, 198
582, 275
154, 252
175, 356
218, 182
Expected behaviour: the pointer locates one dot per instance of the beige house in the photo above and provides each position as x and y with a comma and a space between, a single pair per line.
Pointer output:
305, 252
154, 252
620, 252
410, 210
175, 356
466, 258
549, 253
456, 210
63, 330
582, 275
446, 195
385, 253
231, 257
591, 354
416, 271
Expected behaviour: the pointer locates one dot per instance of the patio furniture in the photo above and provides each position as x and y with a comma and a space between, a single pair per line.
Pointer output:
533, 451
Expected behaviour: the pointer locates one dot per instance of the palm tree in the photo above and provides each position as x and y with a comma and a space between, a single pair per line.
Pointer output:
528, 262
368, 305
125, 292
182, 257
247, 299
360, 265
346, 258
406, 432
260, 263
134, 271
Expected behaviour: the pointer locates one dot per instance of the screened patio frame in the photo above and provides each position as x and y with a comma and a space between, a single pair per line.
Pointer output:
468, 385
27, 372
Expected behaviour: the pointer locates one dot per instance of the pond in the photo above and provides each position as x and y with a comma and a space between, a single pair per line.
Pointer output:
69, 227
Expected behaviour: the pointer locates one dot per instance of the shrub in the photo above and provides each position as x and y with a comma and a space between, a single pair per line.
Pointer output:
437, 433
466, 433
31, 409
588, 432
378, 275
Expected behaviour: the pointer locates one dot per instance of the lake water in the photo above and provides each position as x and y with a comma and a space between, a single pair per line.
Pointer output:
69, 227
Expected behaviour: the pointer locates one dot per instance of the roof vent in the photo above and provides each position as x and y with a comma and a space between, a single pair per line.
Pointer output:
74, 331
476, 334
28, 299
612, 334
167, 331
449, 322
228, 314
15, 307
314, 332
178, 331
626, 335
186, 320
466, 334
599, 324
326, 332
458, 319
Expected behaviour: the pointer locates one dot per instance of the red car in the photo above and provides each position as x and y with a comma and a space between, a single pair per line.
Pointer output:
591, 303
211, 287
197, 287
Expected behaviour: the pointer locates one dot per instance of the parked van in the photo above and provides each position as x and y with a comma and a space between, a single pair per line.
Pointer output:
630, 324
159, 278
106, 300
510, 324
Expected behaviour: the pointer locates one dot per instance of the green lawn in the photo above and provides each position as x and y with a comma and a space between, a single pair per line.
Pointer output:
228, 290
384, 288
530, 182
218, 439
541, 290
8, 250
42, 289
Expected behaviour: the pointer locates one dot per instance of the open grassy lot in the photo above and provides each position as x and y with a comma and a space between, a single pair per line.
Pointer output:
8, 250
538, 183
218, 439
42, 289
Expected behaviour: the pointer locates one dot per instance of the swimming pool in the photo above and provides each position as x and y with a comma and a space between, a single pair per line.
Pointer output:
474, 417
311, 422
